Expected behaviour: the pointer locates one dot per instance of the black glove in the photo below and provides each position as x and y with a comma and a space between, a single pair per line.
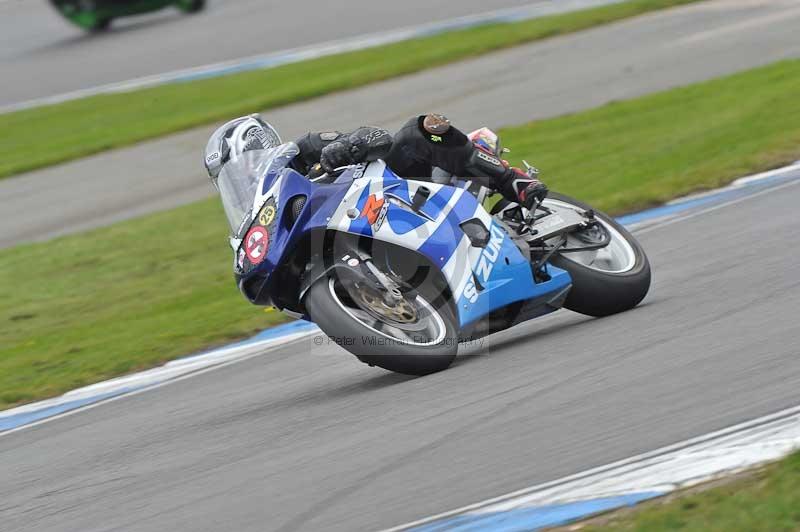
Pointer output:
533, 193
343, 152
523, 188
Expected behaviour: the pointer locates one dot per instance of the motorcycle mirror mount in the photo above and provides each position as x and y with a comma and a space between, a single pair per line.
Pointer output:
531, 170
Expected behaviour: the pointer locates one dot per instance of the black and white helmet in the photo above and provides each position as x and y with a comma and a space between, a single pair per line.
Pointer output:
235, 138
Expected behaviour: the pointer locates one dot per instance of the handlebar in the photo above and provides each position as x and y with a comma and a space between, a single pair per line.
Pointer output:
316, 173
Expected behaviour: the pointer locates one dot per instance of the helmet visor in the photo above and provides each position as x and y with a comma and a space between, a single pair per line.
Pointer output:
239, 180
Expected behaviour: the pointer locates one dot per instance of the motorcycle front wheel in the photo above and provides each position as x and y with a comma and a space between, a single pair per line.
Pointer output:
414, 335
607, 281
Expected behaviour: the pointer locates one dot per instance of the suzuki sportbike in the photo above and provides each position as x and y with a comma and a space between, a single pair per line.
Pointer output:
399, 271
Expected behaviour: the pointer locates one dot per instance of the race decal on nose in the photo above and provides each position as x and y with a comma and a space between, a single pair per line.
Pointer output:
375, 211
256, 244
267, 215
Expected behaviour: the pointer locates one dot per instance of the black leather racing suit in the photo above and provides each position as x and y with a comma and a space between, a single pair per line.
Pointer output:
412, 153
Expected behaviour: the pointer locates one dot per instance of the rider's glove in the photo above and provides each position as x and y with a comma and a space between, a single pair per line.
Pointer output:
343, 152
530, 190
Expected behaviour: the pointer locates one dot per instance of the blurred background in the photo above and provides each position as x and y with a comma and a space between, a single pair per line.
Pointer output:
114, 256
48, 56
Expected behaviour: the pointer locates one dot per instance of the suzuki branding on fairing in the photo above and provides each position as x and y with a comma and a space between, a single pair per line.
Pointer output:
486, 263
359, 170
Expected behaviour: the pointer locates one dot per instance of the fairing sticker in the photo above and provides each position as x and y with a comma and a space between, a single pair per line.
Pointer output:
255, 244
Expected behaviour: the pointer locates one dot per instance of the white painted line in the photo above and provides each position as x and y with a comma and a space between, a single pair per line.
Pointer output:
694, 203
753, 21
716, 207
749, 180
741, 182
173, 371
676, 466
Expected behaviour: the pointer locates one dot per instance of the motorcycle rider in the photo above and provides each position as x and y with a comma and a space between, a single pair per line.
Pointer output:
423, 144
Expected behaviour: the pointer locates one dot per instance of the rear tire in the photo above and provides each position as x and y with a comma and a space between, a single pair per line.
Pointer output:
600, 293
376, 349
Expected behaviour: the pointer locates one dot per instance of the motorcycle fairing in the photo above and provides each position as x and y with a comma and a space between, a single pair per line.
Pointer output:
481, 279
281, 188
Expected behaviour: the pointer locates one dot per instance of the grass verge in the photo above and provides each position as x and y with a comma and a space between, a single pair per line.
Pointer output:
767, 499
90, 125
86, 307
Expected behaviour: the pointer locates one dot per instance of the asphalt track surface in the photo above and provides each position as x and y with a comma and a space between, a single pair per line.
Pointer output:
49, 56
307, 438
561, 75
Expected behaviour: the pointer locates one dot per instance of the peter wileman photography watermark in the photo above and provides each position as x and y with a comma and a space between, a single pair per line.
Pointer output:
382, 341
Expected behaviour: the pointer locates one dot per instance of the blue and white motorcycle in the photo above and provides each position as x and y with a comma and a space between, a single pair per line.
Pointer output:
399, 271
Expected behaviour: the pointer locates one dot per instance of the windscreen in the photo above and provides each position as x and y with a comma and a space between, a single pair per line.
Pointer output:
239, 179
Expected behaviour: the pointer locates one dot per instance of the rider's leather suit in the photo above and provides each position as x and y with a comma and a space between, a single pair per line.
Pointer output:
414, 152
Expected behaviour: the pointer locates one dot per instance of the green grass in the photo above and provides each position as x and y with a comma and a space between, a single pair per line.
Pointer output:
86, 307
90, 125
768, 500
639, 153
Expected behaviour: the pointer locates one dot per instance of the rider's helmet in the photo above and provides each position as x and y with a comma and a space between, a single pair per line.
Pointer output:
236, 137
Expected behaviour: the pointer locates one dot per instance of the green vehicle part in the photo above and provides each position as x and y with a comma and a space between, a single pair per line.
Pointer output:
96, 15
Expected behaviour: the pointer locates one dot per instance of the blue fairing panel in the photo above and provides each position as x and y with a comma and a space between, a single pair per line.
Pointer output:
500, 276
481, 279
321, 201
360, 226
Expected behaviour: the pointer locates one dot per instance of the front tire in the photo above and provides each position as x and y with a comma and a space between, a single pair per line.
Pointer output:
601, 288
346, 323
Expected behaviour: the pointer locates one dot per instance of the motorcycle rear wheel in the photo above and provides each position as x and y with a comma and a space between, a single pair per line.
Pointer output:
386, 344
